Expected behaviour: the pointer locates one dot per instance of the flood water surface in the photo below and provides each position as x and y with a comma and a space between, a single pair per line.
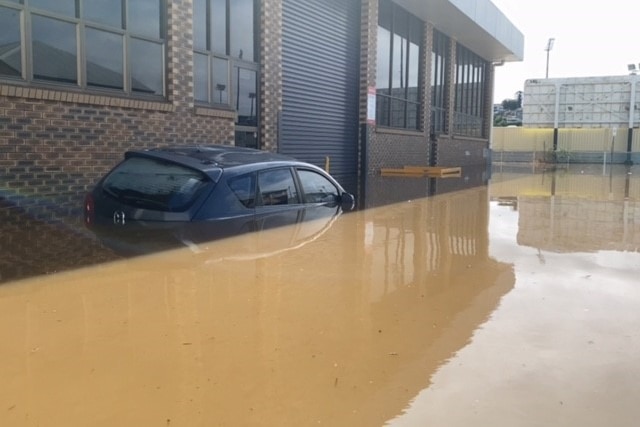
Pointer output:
512, 304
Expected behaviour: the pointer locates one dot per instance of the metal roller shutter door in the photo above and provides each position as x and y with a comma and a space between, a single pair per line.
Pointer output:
321, 54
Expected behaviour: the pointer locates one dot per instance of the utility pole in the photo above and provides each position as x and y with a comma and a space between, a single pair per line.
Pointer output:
548, 49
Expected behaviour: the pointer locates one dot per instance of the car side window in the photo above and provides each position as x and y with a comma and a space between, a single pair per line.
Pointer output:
277, 187
317, 188
244, 188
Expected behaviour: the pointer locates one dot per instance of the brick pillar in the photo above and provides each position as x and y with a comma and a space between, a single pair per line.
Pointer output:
451, 103
427, 42
180, 54
368, 51
368, 57
271, 72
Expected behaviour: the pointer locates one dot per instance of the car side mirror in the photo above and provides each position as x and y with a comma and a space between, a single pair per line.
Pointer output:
348, 202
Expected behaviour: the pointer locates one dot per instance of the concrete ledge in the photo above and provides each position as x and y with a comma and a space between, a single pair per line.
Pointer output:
84, 98
216, 112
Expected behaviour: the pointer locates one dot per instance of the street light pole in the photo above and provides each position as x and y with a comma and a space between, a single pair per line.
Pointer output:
548, 49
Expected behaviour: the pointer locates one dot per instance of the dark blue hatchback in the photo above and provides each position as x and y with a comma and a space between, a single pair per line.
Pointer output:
197, 193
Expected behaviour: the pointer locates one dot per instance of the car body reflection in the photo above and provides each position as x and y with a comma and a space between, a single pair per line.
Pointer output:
297, 226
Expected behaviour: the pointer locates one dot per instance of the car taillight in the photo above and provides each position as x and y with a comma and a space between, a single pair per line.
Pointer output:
89, 210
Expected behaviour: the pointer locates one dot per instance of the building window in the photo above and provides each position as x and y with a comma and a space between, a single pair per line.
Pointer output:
225, 68
398, 81
439, 82
91, 44
471, 74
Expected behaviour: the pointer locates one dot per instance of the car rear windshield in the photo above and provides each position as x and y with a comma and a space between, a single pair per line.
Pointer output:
154, 184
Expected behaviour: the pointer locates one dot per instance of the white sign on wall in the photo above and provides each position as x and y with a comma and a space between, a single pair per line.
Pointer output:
371, 106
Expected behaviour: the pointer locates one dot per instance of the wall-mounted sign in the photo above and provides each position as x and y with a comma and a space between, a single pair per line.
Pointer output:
371, 106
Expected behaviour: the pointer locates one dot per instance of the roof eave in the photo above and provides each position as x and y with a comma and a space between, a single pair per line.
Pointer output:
476, 24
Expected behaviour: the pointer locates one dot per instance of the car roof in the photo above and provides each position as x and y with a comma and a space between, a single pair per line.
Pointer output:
211, 157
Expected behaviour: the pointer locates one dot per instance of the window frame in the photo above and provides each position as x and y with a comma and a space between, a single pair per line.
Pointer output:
81, 25
234, 66
470, 91
440, 55
233, 63
385, 115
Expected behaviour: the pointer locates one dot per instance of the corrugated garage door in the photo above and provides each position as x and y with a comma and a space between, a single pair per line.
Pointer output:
321, 54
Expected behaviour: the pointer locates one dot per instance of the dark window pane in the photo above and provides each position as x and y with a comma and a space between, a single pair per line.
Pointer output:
219, 26
156, 185
107, 12
104, 59
434, 67
144, 17
64, 7
200, 24
241, 29
413, 115
220, 81
246, 97
414, 72
399, 63
10, 48
54, 50
246, 139
317, 188
383, 58
382, 111
201, 77
244, 188
398, 113
146, 67
439, 80
277, 187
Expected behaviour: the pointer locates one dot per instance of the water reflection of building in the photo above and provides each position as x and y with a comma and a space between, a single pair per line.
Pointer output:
565, 224
386, 190
31, 247
345, 329
570, 211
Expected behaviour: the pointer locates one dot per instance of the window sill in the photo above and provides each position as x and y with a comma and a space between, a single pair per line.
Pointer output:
469, 138
395, 131
220, 112
62, 95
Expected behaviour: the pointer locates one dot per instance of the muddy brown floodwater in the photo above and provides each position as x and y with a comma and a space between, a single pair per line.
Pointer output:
516, 304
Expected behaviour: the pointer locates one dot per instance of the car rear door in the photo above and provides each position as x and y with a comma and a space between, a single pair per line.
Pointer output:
278, 201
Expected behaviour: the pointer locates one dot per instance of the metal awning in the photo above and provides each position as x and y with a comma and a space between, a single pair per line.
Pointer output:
476, 24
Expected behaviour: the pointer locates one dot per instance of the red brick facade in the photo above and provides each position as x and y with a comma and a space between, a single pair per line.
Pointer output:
55, 142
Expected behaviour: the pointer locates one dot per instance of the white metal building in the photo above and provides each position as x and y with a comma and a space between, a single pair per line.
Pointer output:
584, 102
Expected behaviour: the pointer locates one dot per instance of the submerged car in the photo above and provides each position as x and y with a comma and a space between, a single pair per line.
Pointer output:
157, 198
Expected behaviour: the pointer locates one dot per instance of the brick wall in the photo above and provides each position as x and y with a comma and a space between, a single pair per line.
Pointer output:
271, 72
52, 149
461, 151
55, 143
386, 147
